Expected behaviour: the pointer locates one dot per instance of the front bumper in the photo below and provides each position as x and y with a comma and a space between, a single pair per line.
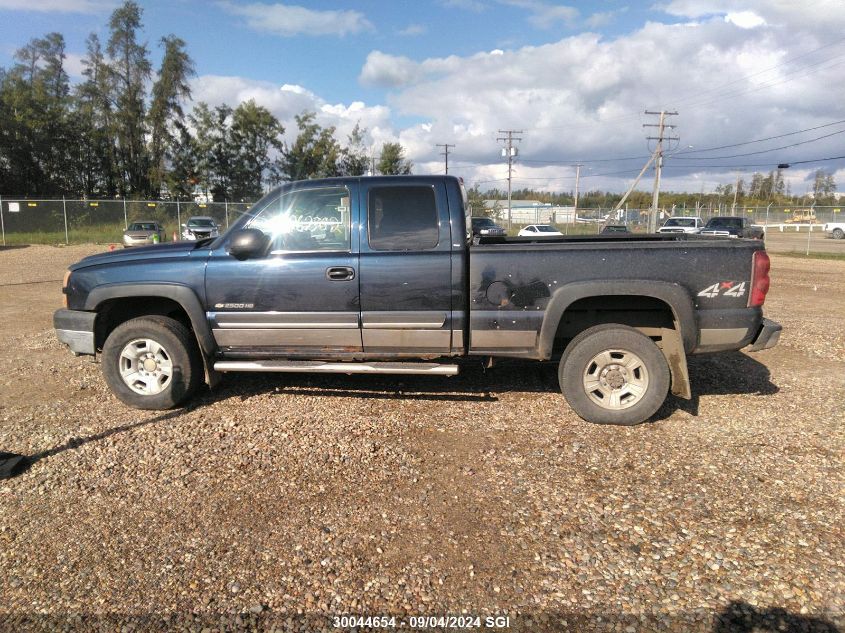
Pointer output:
75, 328
767, 337
147, 241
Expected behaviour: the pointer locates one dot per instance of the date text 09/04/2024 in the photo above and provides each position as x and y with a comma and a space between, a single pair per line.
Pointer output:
422, 621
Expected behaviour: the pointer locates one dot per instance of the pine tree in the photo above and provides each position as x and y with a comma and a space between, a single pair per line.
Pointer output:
130, 68
170, 90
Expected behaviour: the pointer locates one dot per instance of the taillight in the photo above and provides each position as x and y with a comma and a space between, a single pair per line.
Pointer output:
759, 279
64, 288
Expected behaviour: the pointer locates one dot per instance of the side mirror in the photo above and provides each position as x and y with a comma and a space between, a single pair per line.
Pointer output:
247, 243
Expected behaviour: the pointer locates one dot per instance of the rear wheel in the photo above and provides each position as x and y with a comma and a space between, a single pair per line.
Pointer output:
614, 374
838, 234
152, 363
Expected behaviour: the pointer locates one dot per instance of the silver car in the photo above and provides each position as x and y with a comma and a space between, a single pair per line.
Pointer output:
200, 227
143, 233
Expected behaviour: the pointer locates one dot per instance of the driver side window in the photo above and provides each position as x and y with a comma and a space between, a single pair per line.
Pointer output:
307, 220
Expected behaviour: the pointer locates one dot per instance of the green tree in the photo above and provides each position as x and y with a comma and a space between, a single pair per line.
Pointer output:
354, 161
393, 161
254, 133
314, 153
170, 90
35, 131
183, 174
130, 69
94, 123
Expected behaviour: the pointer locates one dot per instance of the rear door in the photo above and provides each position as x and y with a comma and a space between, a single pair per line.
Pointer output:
301, 297
406, 268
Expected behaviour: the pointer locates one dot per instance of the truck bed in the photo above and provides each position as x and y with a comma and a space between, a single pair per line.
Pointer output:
512, 290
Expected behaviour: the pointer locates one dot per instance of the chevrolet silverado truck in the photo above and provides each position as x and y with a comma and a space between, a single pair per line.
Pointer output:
382, 275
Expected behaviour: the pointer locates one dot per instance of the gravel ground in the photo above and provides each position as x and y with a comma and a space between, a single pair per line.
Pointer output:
278, 500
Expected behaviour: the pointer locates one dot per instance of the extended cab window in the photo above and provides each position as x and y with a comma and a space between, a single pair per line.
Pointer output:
307, 220
402, 219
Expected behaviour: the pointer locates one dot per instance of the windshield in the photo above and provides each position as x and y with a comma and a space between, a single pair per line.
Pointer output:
142, 226
689, 222
201, 222
727, 222
477, 222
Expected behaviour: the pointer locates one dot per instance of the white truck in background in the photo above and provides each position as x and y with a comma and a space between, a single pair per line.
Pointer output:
836, 230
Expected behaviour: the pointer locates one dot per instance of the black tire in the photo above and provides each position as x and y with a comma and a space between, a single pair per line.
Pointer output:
650, 375
838, 234
179, 350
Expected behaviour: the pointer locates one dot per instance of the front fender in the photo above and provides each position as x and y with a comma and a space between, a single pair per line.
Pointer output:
181, 294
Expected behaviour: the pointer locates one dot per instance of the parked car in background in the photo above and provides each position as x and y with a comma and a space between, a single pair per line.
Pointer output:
143, 233
615, 228
682, 225
487, 228
732, 226
836, 230
199, 227
539, 230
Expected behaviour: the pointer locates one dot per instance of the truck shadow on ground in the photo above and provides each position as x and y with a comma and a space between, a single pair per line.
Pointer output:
726, 373
13, 465
741, 617
718, 374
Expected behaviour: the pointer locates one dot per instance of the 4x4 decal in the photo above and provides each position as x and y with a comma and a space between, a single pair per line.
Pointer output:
725, 289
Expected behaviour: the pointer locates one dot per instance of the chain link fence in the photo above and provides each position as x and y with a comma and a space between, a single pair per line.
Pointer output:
28, 221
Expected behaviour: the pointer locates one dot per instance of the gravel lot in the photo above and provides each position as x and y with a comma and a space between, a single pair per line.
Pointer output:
279, 499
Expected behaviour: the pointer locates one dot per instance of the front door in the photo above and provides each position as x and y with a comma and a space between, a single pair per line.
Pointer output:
301, 298
405, 260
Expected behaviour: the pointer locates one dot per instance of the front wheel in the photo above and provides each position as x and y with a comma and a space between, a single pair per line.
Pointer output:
838, 234
152, 363
614, 374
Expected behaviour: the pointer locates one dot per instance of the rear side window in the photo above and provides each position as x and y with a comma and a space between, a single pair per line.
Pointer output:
402, 219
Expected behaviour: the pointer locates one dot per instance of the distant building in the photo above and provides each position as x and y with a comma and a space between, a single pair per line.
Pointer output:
531, 212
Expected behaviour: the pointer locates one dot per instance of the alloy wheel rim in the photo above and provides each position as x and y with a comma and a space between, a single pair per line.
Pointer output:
145, 367
615, 379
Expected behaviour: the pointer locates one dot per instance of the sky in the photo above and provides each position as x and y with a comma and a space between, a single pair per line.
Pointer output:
574, 79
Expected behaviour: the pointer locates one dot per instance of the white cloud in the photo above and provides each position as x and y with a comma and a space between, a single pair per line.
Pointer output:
745, 19
382, 69
582, 98
290, 20
57, 6
73, 65
543, 15
288, 100
414, 29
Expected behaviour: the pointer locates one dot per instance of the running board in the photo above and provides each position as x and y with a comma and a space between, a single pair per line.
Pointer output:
320, 367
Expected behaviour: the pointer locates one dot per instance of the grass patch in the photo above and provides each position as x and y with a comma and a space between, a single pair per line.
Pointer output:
96, 234
803, 255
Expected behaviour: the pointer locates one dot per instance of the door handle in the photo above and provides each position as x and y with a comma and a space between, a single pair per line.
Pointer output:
340, 273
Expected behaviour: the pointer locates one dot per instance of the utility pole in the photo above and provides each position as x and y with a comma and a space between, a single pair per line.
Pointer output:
445, 153
658, 160
510, 151
577, 178
736, 190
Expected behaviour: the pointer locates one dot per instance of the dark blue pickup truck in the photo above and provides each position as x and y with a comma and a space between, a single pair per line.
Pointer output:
383, 275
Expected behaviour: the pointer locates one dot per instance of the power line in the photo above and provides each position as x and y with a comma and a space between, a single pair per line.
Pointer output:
759, 140
763, 151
